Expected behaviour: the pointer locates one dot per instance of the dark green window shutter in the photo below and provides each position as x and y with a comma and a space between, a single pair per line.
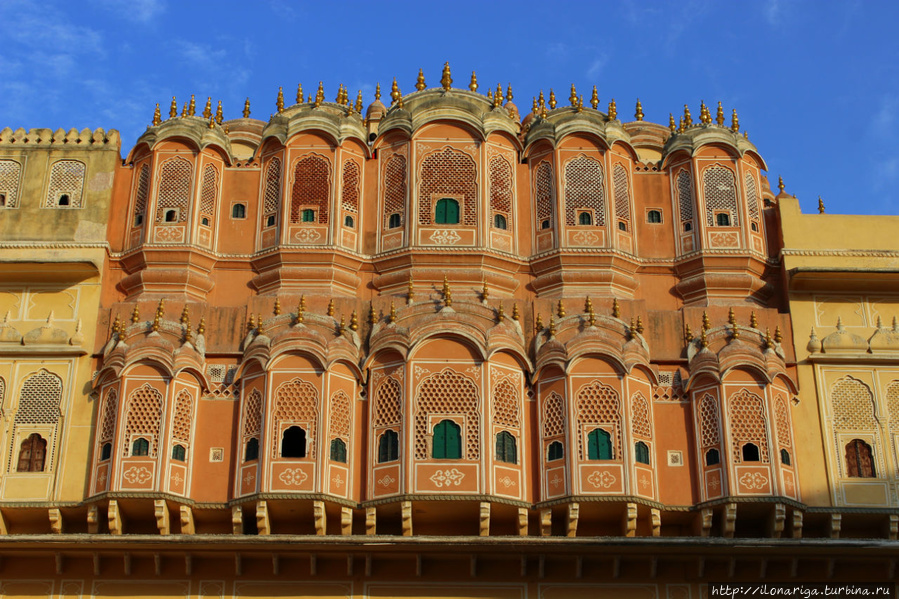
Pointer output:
447, 441
641, 452
447, 212
599, 445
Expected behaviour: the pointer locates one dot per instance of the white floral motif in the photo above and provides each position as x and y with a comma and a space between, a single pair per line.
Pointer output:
754, 480
604, 479
102, 478
556, 481
507, 482
644, 482
177, 479
585, 238
307, 235
714, 483
137, 475
293, 477
337, 481
386, 480
445, 237
447, 478
249, 478
419, 371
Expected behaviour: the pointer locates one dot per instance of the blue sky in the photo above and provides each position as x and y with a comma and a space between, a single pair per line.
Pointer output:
816, 83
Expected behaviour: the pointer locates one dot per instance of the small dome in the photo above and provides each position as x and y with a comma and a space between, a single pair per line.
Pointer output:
376, 110
843, 340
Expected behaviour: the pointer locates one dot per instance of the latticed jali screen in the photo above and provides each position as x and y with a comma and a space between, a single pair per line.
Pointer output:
10, 173
685, 195
349, 194
553, 416
182, 417
597, 405
209, 192
448, 392
388, 403
622, 199
295, 402
641, 422
394, 189
272, 187
66, 177
583, 190
720, 194
506, 405
709, 426
339, 416
747, 421
853, 406
143, 418
311, 188
452, 173
141, 193
543, 185
501, 188
174, 188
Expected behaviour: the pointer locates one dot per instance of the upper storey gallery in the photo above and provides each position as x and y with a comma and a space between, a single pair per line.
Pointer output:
443, 167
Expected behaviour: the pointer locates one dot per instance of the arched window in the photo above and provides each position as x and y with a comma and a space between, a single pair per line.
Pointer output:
106, 451
556, 451
204, 221
178, 453
545, 224
171, 216
585, 218
622, 225
338, 450
138, 220
654, 216
641, 453
388, 447
859, 460
499, 222
270, 220
3, 200
446, 212
348, 221
394, 221
688, 227
293, 443
722, 219
251, 452
63, 200
238, 211
712, 457
784, 457
447, 441
140, 447
32, 454
750, 452
755, 227
599, 445
308, 215
506, 448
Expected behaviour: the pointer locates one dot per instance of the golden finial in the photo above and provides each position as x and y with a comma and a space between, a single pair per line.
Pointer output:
341, 328
359, 102
115, 326
279, 102
680, 126
734, 122
394, 92
410, 296
543, 112
736, 331
633, 328
580, 104
895, 325
588, 304
400, 103
184, 110
672, 126
552, 99
591, 317
534, 107
490, 96
688, 334
420, 82
688, 120
192, 107
509, 93
211, 123
538, 324
705, 117
300, 313
331, 307
778, 336
155, 325
227, 129
378, 91
515, 314
341, 95
753, 321
500, 313
498, 96
616, 310
160, 308
731, 318
573, 96
706, 323
246, 109
173, 109
445, 285
350, 108
640, 324
473, 86
446, 80
299, 93
188, 334
372, 315
448, 298
540, 100
613, 110
135, 315
207, 110
251, 324
219, 115
594, 99
185, 315
354, 321
768, 343
157, 117
703, 339
820, 205
719, 118
277, 309
259, 316
780, 184
639, 114
560, 310
485, 293
320, 94
202, 328
746, 135
303, 302
552, 327
392, 317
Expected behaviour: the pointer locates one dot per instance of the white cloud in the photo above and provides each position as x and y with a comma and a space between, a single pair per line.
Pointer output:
138, 11
202, 56
597, 66
773, 11
557, 51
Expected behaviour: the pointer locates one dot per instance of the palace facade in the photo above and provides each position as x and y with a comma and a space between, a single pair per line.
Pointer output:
437, 349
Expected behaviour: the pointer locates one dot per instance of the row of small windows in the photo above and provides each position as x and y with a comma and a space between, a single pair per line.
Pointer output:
141, 447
